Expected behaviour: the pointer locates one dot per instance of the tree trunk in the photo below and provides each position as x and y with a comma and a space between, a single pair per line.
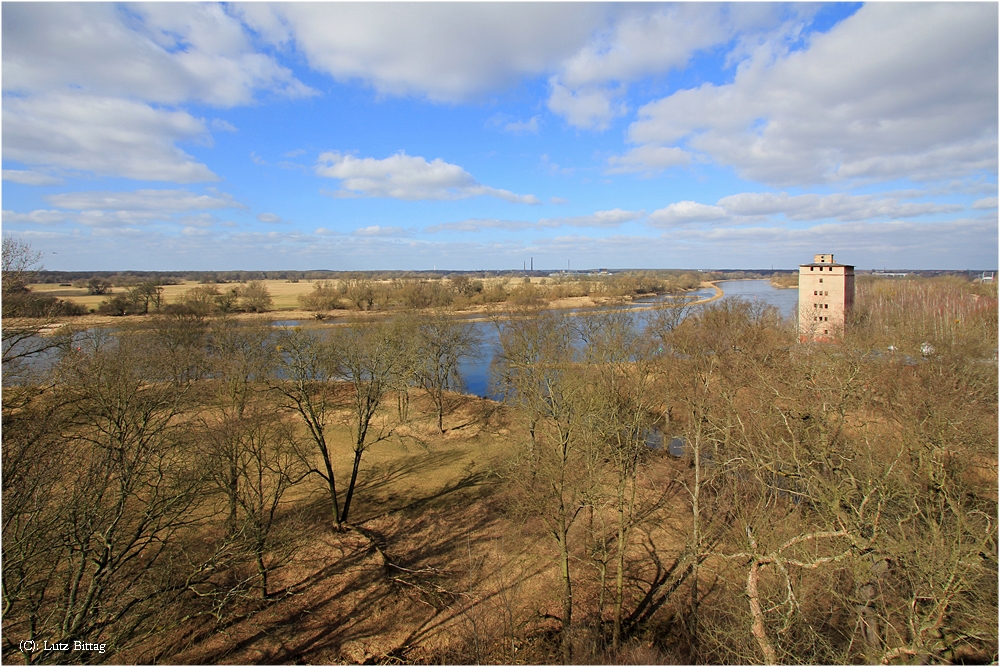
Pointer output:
331, 482
757, 627
439, 402
350, 486
567, 599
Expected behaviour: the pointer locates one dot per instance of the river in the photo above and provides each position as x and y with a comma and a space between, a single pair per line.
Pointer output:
475, 371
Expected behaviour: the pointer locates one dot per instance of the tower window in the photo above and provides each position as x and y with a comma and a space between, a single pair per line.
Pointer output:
821, 280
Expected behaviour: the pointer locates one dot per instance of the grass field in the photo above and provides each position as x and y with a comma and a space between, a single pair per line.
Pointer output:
284, 293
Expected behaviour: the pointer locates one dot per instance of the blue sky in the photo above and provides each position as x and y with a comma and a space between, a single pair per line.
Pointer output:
184, 136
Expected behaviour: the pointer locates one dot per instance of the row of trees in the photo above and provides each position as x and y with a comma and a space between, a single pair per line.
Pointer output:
460, 291
203, 300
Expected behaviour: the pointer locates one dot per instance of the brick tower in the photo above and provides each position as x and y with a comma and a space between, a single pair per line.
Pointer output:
826, 294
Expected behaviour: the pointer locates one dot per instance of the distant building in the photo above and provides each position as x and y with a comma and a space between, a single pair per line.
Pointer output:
826, 295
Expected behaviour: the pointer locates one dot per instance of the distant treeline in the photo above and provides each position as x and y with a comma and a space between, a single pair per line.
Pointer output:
123, 278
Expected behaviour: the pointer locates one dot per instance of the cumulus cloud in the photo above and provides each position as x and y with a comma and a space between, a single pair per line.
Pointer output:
685, 213
985, 204
409, 178
480, 224
269, 217
161, 53
447, 52
648, 40
589, 107
376, 230
613, 218
107, 210
648, 158
107, 136
38, 217
95, 87
529, 126
894, 91
751, 207
143, 200
25, 177
837, 206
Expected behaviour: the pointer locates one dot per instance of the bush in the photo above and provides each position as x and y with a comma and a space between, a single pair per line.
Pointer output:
28, 304
255, 298
324, 296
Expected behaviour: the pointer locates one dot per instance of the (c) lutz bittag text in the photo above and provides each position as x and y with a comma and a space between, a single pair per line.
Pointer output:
30, 646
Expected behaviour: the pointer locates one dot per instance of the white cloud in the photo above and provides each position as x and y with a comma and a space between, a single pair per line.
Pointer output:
446, 52
529, 126
39, 217
985, 204
589, 107
95, 87
648, 158
163, 201
30, 177
106, 136
108, 210
648, 40
894, 91
613, 218
401, 176
268, 217
685, 213
376, 230
820, 207
162, 53
480, 224
751, 207
223, 125
198, 220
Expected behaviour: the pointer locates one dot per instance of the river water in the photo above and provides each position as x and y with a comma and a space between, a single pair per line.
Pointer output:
475, 371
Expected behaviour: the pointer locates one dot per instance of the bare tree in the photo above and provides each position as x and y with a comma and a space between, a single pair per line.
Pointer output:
440, 342
538, 367
255, 298
20, 264
268, 467
622, 377
308, 366
370, 357
241, 359
123, 495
